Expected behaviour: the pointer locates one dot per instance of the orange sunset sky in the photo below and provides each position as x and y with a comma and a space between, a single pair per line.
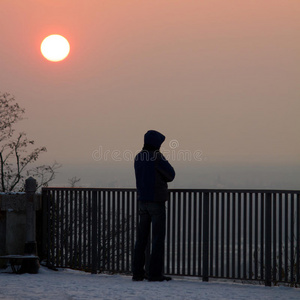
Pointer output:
222, 77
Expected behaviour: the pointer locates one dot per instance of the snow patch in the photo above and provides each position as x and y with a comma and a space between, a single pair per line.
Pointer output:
77, 285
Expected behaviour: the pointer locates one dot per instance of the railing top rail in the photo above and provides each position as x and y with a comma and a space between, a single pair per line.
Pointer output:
87, 189
253, 191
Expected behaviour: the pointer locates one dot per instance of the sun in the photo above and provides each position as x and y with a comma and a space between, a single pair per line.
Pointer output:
55, 47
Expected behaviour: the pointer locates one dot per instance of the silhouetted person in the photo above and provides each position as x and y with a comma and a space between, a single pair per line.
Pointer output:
152, 172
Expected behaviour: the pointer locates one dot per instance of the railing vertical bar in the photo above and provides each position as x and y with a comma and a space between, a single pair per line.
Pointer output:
49, 228
118, 233
222, 234
256, 238
84, 218
71, 228
54, 229
126, 233
103, 257
128, 230
168, 234
298, 240
126, 237
250, 235
133, 202
75, 222
123, 231
44, 224
80, 231
94, 232
99, 229
195, 218
205, 236
268, 238
58, 231
112, 236
245, 237
228, 236
115, 231
173, 251
55, 252
292, 237
184, 220
110, 265
113, 216
233, 241
81, 221
67, 234
211, 235
217, 235
84, 230
280, 231
97, 194
131, 199
286, 225
200, 234
90, 230
134, 212
239, 234
262, 237
274, 241
189, 233
62, 233
97, 226
178, 232
57, 237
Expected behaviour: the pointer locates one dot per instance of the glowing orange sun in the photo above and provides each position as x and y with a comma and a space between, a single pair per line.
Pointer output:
55, 47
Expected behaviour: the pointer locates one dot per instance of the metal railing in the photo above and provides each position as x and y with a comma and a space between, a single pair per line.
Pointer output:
233, 234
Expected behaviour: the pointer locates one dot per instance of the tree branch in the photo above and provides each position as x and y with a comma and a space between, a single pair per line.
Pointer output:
14, 159
2, 172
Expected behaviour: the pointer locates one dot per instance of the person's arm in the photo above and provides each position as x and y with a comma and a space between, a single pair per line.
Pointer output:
165, 169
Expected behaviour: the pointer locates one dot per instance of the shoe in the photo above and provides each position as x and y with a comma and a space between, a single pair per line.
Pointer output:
160, 278
138, 277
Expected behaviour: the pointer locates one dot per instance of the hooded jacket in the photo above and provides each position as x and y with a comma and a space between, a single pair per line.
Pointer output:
152, 170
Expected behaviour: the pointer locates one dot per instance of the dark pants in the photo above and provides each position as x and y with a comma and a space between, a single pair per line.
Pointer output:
155, 213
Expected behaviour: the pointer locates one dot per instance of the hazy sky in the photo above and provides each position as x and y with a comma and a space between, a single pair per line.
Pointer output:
220, 77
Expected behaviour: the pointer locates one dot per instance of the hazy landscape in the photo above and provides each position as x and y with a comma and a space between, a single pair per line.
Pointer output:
193, 175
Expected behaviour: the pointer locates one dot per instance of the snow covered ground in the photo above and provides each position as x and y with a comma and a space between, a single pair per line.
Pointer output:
70, 284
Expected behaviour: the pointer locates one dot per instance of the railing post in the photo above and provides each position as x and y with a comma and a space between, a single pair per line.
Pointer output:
30, 248
94, 232
268, 239
45, 225
205, 236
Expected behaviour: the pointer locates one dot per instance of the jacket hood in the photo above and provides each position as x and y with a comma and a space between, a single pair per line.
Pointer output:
154, 138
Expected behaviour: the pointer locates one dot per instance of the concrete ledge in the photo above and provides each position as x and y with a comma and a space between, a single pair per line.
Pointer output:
19, 263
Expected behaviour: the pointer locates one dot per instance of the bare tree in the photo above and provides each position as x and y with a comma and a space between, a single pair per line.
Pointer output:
10, 113
16, 151
73, 181
44, 173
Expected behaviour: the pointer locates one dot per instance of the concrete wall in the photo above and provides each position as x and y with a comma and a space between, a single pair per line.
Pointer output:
2, 232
